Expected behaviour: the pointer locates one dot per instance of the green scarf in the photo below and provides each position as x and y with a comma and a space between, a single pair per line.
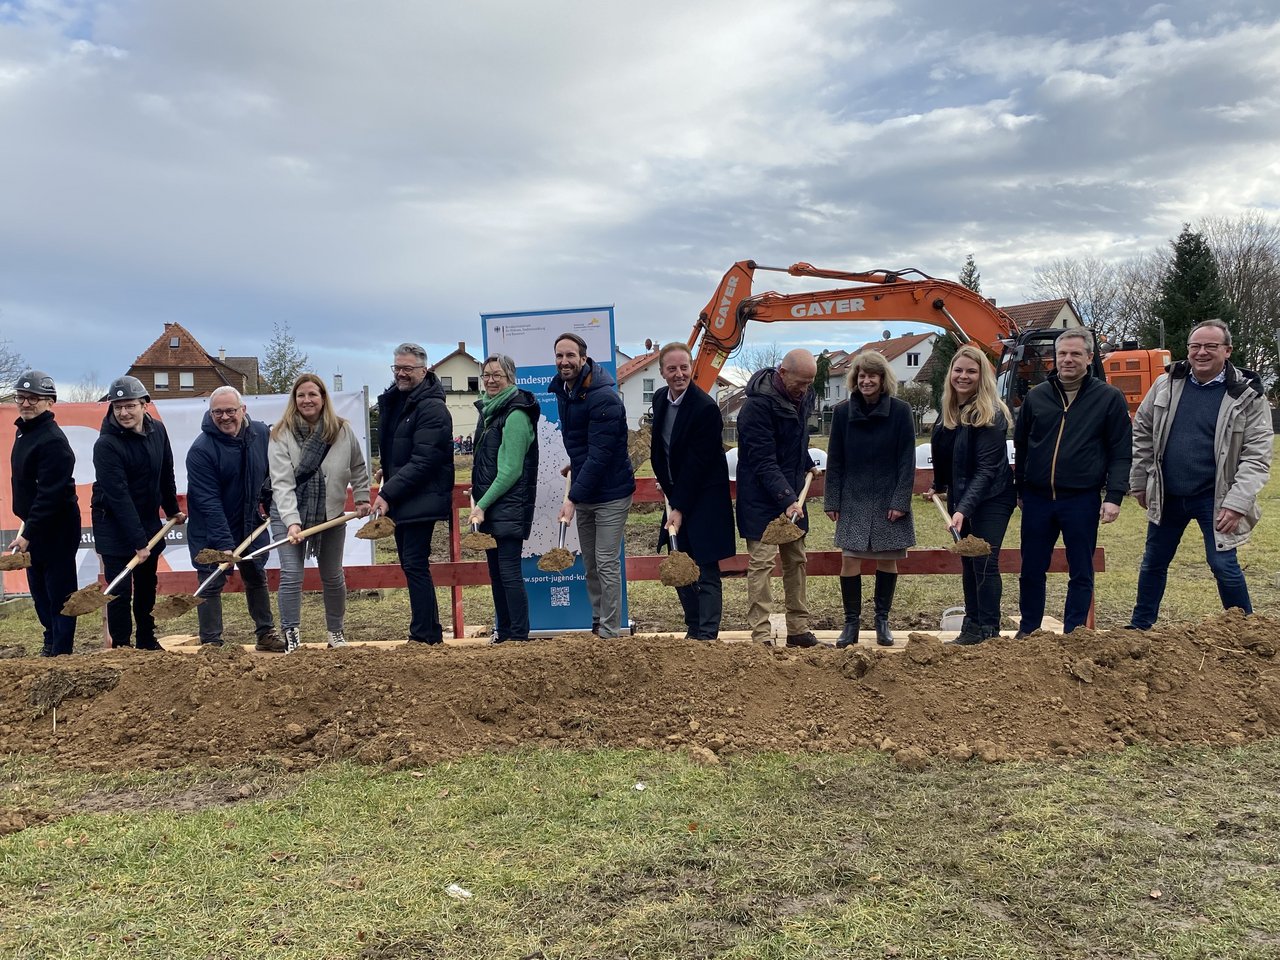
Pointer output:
491, 405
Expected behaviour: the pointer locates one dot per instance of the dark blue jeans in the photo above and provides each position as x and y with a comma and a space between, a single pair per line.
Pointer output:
1162, 543
1075, 519
137, 598
52, 578
506, 579
980, 576
413, 542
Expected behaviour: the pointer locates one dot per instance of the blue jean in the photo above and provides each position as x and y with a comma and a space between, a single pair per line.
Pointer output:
413, 543
1162, 543
506, 580
1075, 519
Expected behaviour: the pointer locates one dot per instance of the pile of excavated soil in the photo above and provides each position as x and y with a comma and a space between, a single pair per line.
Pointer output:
1215, 682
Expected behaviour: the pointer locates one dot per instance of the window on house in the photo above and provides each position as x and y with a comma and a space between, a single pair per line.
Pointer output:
186, 381
173, 343
913, 359
162, 381
473, 384
447, 383
647, 385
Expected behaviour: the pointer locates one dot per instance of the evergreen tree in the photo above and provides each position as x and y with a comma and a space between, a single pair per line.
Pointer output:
281, 362
1190, 291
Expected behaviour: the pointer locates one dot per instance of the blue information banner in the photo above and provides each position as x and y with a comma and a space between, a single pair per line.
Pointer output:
557, 601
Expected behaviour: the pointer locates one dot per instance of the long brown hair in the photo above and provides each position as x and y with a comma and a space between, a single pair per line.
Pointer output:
981, 411
330, 423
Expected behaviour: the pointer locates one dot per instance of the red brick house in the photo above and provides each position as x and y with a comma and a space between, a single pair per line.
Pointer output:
176, 365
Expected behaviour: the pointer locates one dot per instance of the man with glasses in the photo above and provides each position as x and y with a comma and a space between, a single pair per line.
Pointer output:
228, 496
1072, 448
1202, 452
415, 446
44, 499
133, 467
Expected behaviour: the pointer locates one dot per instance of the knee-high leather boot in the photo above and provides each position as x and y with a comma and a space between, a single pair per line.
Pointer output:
886, 583
851, 600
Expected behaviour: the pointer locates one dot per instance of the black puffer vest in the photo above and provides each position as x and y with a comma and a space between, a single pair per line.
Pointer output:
512, 514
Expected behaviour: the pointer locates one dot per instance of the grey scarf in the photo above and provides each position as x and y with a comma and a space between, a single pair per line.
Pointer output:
309, 482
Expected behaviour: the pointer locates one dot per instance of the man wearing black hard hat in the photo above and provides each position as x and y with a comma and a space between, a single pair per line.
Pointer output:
133, 467
44, 499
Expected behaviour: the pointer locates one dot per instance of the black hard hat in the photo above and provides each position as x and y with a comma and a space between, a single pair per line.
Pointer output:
36, 382
127, 388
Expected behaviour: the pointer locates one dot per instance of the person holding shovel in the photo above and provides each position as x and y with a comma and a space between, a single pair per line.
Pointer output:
773, 458
687, 452
134, 481
227, 494
971, 468
313, 456
415, 441
44, 498
871, 470
504, 486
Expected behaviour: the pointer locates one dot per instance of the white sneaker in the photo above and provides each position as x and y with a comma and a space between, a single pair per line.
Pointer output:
337, 638
292, 638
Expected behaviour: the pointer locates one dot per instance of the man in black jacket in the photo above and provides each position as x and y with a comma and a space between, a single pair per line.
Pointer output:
133, 467
1073, 445
687, 452
415, 445
44, 499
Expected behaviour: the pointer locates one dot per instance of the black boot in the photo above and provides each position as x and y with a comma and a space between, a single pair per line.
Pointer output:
851, 600
886, 583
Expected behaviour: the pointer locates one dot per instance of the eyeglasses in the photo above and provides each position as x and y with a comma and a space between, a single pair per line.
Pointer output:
126, 407
225, 414
396, 368
493, 376
28, 401
1207, 347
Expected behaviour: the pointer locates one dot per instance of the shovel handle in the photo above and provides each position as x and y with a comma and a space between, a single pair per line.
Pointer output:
226, 564
160, 535
671, 534
336, 521
22, 525
945, 519
475, 527
804, 493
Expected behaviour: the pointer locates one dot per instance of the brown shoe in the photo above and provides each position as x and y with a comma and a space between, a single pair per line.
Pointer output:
270, 643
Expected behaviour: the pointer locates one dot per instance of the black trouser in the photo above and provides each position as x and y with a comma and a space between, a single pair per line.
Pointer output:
702, 601
413, 542
983, 588
136, 595
510, 601
52, 578
257, 598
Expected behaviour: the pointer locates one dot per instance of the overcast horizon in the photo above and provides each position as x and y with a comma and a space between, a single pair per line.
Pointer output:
386, 172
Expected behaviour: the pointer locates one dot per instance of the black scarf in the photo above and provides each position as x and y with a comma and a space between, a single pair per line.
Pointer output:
309, 482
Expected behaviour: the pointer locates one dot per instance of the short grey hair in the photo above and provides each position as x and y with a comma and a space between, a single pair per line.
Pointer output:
412, 350
1075, 333
506, 363
223, 391
1217, 325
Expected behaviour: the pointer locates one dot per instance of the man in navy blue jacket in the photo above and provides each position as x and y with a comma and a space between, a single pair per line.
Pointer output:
593, 426
226, 489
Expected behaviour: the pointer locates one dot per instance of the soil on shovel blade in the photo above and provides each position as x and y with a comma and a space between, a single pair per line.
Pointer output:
1214, 682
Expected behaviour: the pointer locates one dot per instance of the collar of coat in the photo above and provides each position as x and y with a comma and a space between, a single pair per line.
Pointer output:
1239, 379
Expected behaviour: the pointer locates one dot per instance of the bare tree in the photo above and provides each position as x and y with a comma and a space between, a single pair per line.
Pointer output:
88, 389
11, 367
919, 397
1247, 251
755, 357
1090, 284
1138, 285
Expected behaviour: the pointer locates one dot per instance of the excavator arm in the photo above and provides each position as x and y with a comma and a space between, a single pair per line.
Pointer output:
880, 295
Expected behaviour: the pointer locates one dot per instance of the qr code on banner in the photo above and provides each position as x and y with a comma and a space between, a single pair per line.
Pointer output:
559, 596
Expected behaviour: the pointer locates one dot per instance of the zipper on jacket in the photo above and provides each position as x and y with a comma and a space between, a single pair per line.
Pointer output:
1053, 464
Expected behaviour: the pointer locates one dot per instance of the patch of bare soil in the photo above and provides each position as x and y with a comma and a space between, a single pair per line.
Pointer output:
1215, 682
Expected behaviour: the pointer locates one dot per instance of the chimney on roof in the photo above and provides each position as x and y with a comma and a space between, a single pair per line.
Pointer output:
462, 346
337, 383
222, 354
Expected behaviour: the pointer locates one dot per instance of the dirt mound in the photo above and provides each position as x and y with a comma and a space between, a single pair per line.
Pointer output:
1214, 682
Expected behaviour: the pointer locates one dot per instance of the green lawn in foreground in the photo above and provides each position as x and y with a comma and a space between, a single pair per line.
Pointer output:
1139, 854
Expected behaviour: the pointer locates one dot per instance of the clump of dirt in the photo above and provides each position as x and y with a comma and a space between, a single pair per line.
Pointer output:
678, 570
474, 540
970, 546
555, 560
781, 530
1214, 682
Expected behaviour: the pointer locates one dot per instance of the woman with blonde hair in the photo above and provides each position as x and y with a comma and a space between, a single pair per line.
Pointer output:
971, 466
871, 470
314, 455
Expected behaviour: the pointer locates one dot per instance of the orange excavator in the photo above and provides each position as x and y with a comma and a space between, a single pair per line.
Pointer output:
1022, 358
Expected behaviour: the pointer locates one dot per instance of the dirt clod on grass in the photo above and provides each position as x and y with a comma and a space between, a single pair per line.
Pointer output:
1042, 697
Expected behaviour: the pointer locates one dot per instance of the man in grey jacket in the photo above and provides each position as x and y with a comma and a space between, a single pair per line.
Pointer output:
1201, 451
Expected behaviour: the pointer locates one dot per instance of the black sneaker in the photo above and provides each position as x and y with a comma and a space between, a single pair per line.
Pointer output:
806, 639
967, 639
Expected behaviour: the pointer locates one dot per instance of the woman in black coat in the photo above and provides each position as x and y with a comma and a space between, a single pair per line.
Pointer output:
687, 452
971, 466
871, 468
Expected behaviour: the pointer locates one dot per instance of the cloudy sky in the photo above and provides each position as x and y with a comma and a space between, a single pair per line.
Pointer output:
380, 171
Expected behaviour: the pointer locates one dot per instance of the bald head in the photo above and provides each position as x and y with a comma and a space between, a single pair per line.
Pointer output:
797, 370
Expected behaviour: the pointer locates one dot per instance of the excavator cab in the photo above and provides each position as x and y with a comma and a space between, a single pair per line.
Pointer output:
1028, 362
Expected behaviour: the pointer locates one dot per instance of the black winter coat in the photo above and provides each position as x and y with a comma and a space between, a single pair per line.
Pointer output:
975, 469
1060, 451
871, 469
227, 480
511, 515
773, 454
593, 426
44, 486
416, 441
134, 482
695, 478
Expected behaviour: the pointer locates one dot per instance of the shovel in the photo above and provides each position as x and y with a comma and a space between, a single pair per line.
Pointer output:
176, 606
475, 540
679, 569
558, 558
967, 546
783, 529
18, 559
379, 527
88, 599
335, 522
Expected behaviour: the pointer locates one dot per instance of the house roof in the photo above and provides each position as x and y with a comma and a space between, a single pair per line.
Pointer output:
177, 347
1040, 314
635, 365
460, 352
895, 347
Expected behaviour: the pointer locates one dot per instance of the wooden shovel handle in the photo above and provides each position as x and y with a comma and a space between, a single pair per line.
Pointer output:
670, 533
945, 518
335, 522
226, 564
568, 482
160, 535
804, 491
22, 525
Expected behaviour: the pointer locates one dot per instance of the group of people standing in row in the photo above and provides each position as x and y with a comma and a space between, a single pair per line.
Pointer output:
1199, 448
